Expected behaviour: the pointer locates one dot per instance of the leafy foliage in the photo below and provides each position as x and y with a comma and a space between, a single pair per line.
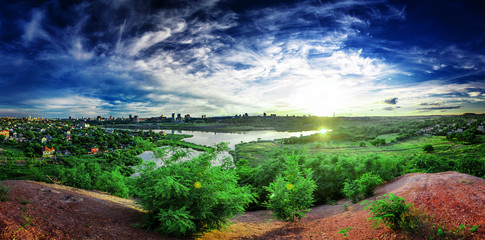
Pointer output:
428, 148
391, 209
3, 193
186, 198
291, 194
344, 231
362, 187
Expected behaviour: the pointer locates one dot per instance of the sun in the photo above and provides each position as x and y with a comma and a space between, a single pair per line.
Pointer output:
321, 98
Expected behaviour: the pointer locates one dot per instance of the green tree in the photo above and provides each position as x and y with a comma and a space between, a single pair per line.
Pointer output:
190, 197
428, 148
291, 194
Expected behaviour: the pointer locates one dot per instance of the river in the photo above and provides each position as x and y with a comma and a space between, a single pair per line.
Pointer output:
211, 138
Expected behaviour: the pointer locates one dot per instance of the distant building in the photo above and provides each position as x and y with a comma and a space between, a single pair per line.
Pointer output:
481, 129
48, 152
187, 116
5, 133
264, 114
173, 117
84, 125
94, 150
136, 119
163, 117
204, 116
179, 117
98, 118
131, 118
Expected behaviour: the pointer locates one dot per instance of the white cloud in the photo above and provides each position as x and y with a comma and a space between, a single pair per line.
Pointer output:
78, 52
34, 29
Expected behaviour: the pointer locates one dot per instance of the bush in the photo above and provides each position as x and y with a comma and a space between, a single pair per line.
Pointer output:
361, 188
471, 165
113, 182
393, 210
291, 194
432, 163
3, 192
378, 141
187, 198
428, 148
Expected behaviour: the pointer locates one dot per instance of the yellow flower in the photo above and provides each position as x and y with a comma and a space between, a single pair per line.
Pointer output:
289, 186
197, 184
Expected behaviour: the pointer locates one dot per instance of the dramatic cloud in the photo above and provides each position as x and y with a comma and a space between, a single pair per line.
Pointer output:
213, 57
438, 103
440, 108
391, 101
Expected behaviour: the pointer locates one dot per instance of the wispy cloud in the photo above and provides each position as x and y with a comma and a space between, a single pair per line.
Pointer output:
213, 57
34, 29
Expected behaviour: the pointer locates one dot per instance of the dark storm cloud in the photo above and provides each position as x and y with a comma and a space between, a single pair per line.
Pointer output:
392, 101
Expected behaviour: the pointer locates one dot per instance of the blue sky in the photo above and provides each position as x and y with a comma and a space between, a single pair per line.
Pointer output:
354, 58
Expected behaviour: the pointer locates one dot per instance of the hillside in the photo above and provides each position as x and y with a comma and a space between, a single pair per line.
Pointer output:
453, 198
38, 210
46, 211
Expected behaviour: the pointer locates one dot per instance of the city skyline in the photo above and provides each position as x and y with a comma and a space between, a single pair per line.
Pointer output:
220, 58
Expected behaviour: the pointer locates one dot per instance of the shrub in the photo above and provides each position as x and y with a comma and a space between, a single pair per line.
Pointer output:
291, 194
361, 188
428, 148
187, 198
113, 182
391, 209
3, 192
432, 163
378, 141
471, 165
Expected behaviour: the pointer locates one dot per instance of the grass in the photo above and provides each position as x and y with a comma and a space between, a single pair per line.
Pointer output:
3, 193
389, 137
256, 151
408, 147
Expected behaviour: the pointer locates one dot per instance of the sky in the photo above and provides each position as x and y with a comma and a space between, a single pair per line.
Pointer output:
63, 58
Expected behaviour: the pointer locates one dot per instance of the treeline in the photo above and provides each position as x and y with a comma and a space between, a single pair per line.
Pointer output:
353, 177
282, 123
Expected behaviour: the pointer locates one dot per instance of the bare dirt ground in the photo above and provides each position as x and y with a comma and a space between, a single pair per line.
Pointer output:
47, 211
452, 198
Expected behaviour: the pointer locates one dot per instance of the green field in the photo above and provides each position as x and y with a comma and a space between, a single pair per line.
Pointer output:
408, 147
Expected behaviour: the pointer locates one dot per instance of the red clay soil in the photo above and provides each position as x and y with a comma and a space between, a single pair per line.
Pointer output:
47, 211
452, 198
